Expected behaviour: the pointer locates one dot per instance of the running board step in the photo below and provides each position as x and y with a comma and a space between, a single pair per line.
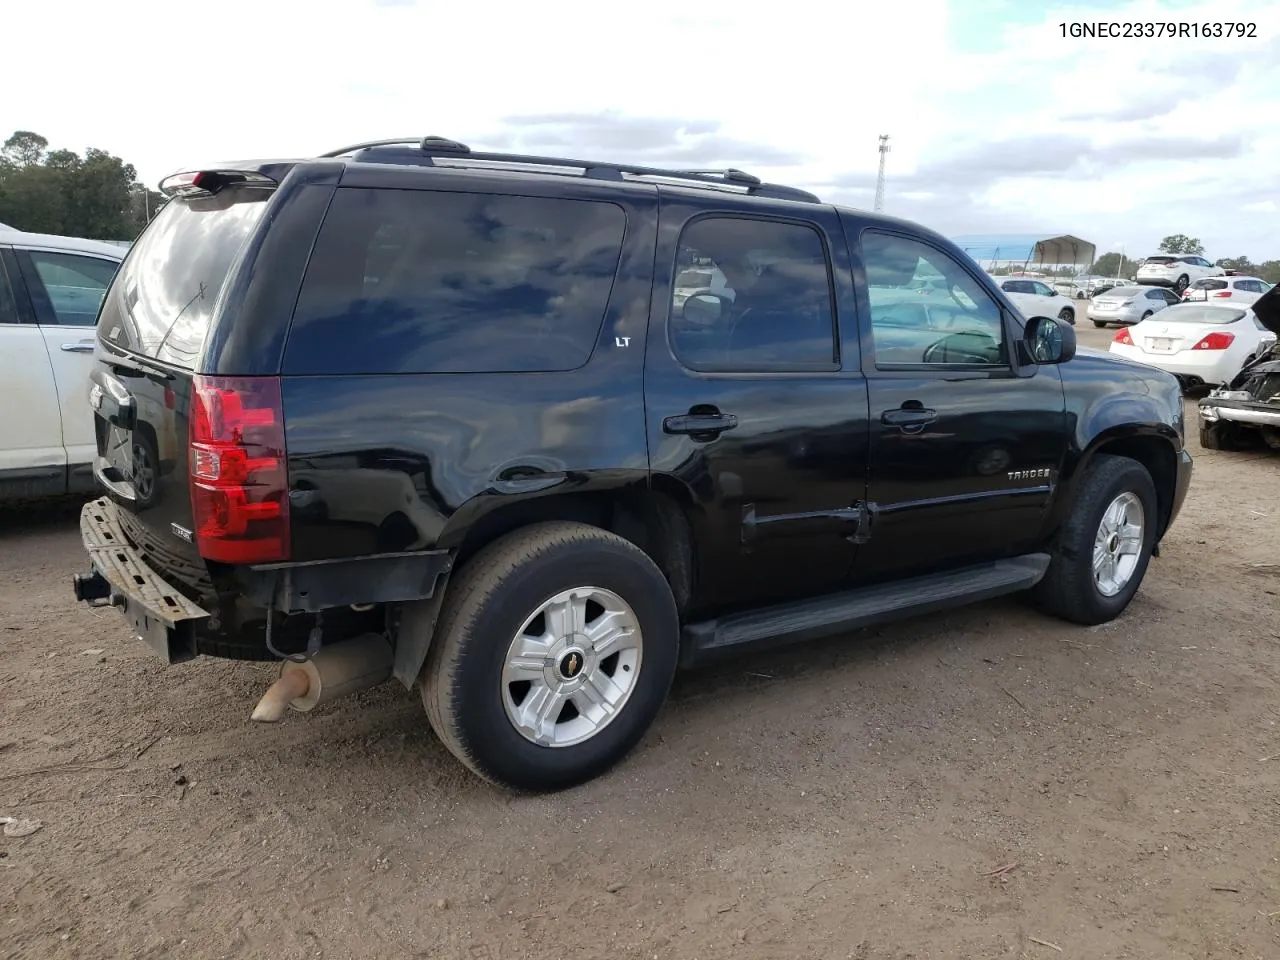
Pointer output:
863, 607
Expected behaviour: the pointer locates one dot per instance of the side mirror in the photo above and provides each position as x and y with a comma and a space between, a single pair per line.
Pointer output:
703, 309
1048, 340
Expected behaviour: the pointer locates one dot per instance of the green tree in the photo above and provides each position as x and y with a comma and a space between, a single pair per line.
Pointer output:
1180, 243
1109, 264
1269, 270
61, 192
24, 148
1239, 264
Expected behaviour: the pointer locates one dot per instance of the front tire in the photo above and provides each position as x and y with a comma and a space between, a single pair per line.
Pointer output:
555, 650
1102, 550
1219, 436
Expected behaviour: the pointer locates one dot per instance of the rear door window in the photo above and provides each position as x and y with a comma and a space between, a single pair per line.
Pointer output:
415, 281
161, 302
774, 311
67, 288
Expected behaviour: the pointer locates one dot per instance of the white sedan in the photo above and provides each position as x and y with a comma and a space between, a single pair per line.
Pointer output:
1035, 298
1199, 343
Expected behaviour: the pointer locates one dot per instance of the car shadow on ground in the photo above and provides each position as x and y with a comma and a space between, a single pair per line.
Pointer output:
36, 516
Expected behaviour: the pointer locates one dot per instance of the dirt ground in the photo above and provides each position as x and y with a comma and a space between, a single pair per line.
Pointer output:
851, 799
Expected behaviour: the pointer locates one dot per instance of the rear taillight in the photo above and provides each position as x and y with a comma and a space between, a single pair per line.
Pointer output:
239, 479
1223, 293
1216, 341
1123, 337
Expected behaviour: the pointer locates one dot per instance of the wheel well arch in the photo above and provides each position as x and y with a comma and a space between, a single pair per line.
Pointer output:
654, 518
1158, 455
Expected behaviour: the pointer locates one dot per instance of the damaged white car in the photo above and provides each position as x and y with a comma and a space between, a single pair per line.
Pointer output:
1250, 402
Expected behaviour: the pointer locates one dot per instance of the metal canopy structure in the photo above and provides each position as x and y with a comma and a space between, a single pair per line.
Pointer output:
1026, 248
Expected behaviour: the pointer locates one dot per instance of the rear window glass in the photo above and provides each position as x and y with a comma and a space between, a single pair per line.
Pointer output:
162, 299
1191, 313
410, 281
1209, 285
1159, 260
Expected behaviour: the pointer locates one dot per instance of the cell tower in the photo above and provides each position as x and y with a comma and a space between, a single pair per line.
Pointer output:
884, 150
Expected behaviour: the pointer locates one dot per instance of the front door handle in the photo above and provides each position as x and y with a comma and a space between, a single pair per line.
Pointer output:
909, 419
700, 426
84, 346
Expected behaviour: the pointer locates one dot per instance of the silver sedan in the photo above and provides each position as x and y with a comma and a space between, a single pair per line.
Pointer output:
1129, 304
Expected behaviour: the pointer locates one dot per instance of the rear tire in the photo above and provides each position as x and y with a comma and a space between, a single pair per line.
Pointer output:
1073, 588
1099, 324
1067, 316
470, 685
1180, 287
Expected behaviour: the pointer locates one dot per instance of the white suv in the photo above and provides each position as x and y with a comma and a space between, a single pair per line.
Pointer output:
1233, 287
50, 291
1035, 298
1178, 271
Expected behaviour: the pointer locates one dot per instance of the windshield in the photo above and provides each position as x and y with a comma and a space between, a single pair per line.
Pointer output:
1193, 313
162, 299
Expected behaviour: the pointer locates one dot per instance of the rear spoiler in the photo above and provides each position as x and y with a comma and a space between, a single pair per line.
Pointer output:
207, 181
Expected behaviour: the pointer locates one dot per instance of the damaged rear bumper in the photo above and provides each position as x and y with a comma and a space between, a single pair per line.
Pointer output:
159, 615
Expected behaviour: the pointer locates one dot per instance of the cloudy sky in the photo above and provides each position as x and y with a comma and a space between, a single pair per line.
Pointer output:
999, 123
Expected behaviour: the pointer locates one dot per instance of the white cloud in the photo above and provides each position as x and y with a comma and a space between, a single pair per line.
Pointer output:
803, 89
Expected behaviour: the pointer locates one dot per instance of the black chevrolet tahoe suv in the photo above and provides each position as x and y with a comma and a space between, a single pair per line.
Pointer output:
532, 433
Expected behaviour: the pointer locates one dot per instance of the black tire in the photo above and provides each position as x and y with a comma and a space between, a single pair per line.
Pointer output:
489, 599
1067, 316
1144, 316
1099, 324
1219, 436
1068, 589
1183, 282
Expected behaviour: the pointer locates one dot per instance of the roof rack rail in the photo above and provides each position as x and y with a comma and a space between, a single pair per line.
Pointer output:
428, 144
444, 148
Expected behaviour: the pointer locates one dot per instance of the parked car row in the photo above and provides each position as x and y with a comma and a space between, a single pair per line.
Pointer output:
1203, 343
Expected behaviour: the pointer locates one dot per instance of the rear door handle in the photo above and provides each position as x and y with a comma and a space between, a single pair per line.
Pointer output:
907, 418
84, 346
700, 425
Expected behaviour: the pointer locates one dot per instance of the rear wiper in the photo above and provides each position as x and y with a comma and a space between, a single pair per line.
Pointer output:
139, 360
199, 295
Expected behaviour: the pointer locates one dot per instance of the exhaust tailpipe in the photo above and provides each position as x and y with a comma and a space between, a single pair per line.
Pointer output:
335, 671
